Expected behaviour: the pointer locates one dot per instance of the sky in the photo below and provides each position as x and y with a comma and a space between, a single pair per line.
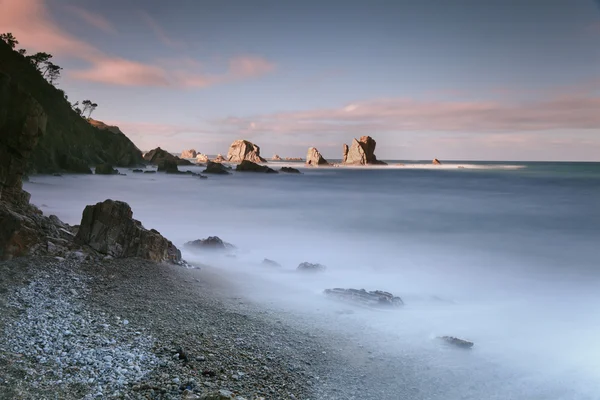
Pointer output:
447, 79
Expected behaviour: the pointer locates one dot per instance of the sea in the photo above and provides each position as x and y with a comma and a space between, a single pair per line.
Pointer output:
504, 254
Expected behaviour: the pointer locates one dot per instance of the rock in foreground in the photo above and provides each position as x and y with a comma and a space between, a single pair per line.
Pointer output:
310, 267
377, 298
249, 166
314, 158
215, 168
210, 243
109, 228
361, 152
241, 150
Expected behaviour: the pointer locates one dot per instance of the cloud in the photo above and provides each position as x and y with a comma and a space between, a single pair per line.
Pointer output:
159, 31
95, 20
31, 23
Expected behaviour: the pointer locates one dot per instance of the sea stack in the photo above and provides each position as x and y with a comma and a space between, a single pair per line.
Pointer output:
276, 158
191, 153
436, 162
314, 158
361, 152
241, 150
158, 156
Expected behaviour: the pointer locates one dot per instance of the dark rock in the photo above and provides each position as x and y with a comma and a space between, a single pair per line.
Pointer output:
215, 168
243, 150
158, 155
168, 166
137, 170
310, 267
109, 228
463, 344
105, 169
314, 158
56, 174
361, 152
210, 243
150, 172
377, 298
249, 166
290, 170
270, 263
436, 162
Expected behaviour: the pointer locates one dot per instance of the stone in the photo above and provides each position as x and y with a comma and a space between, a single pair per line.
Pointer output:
219, 395
290, 170
463, 344
249, 166
436, 162
191, 153
276, 158
215, 168
311, 267
210, 243
219, 159
150, 172
377, 298
105, 169
314, 158
157, 155
168, 166
137, 170
361, 152
109, 228
201, 158
243, 150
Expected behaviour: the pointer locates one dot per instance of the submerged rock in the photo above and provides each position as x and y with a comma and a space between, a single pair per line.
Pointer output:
270, 263
249, 166
361, 152
215, 168
210, 243
463, 344
311, 267
243, 150
436, 162
377, 298
290, 170
191, 153
314, 158
105, 169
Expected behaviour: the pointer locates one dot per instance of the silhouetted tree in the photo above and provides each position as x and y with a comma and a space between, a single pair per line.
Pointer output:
9, 39
52, 72
91, 109
39, 59
22, 52
86, 106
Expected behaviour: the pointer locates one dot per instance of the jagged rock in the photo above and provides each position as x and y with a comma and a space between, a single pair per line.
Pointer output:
158, 155
109, 228
215, 168
377, 298
137, 170
436, 162
464, 344
219, 159
243, 150
276, 158
361, 152
201, 158
168, 166
314, 158
270, 263
210, 243
290, 170
249, 166
191, 153
310, 267
105, 169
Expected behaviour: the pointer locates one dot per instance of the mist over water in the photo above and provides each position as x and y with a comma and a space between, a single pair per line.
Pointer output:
503, 254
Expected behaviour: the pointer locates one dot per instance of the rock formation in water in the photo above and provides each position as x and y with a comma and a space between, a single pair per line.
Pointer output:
105, 169
158, 155
314, 158
241, 150
109, 228
290, 170
361, 152
463, 344
191, 153
377, 298
215, 168
270, 263
311, 267
249, 166
210, 243
436, 162
201, 158
168, 166
219, 159
276, 158
70, 143
293, 159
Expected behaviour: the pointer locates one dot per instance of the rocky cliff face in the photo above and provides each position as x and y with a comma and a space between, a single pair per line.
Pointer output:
314, 158
241, 150
361, 152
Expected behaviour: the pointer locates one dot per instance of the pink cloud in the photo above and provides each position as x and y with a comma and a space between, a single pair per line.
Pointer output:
159, 31
95, 20
118, 71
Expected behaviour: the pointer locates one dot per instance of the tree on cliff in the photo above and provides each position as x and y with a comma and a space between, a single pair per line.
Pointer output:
88, 107
52, 72
39, 59
9, 39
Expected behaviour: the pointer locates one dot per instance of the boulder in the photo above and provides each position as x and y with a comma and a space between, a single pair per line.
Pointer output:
276, 158
215, 168
361, 152
249, 166
243, 150
210, 243
105, 169
157, 155
191, 153
270, 263
314, 158
436, 162
290, 170
377, 298
219, 159
219, 395
454, 341
109, 228
168, 166
310, 267
201, 158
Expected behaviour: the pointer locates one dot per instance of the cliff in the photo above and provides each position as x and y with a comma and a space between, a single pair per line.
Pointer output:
69, 143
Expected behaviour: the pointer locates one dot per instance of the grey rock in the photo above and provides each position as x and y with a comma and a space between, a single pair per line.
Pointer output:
377, 298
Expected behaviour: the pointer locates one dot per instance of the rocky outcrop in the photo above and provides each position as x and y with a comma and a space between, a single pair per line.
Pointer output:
270, 263
191, 153
168, 166
210, 243
109, 228
436, 162
454, 341
243, 150
158, 155
215, 168
219, 159
377, 298
105, 169
201, 158
314, 158
310, 267
249, 166
290, 170
276, 158
361, 152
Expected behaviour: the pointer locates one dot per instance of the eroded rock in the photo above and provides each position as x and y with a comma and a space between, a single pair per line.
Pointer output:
436, 162
191, 153
314, 158
376, 298
243, 150
361, 152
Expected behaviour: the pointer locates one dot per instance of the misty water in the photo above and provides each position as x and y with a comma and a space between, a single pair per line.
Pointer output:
503, 254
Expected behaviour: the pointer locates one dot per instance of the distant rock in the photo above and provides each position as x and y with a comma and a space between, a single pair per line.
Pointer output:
191, 153
290, 170
219, 159
243, 150
377, 298
294, 159
249, 166
276, 158
158, 155
361, 152
436, 162
215, 168
270, 263
210, 243
463, 344
109, 228
105, 169
314, 158
310, 267
201, 158
168, 166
